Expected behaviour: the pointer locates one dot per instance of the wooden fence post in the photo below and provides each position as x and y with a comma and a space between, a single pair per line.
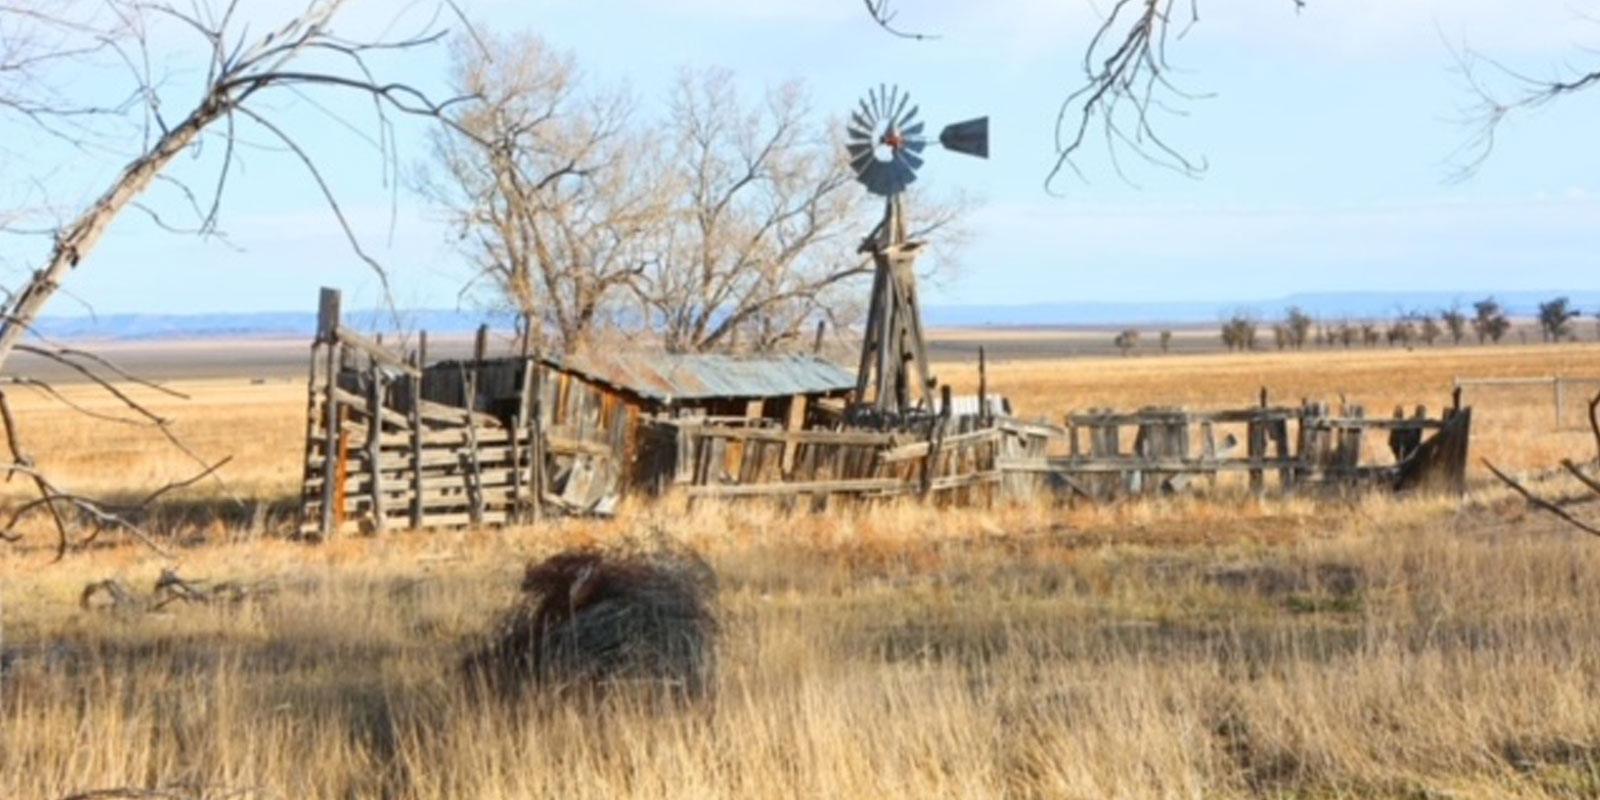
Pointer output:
983, 388
332, 455
1255, 449
1560, 402
375, 444
930, 467
416, 445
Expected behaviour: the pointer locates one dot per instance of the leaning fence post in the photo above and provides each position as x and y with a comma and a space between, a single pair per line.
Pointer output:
936, 440
328, 333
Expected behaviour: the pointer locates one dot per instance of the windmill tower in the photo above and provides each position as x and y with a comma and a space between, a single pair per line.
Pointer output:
885, 143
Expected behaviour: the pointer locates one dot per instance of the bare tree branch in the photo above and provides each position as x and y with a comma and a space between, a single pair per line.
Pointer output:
882, 14
1499, 93
1541, 503
240, 71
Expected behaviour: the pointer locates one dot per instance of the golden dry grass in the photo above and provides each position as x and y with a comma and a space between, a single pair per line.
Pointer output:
1187, 647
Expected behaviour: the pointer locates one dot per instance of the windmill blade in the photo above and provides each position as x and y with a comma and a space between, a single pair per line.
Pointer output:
858, 134
900, 110
866, 113
970, 137
911, 159
913, 131
883, 94
857, 121
901, 174
916, 145
876, 176
904, 121
858, 152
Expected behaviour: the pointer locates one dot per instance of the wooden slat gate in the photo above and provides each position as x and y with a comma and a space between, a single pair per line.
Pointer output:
392, 445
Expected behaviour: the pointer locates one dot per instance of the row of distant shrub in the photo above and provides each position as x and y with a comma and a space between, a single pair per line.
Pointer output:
1487, 323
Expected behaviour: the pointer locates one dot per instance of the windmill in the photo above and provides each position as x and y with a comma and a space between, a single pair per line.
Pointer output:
885, 142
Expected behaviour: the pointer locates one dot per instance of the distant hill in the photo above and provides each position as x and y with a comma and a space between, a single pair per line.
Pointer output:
264, 324
1353, 305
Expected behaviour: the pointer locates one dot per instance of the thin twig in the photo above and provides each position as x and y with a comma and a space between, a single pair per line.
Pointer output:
884, 16
1541, 503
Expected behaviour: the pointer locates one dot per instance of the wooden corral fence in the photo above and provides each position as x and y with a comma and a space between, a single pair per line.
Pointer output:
979, 459
1294, 447
390, 443
395, 442
950, 459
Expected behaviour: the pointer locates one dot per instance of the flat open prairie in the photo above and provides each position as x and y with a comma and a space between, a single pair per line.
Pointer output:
1219, 646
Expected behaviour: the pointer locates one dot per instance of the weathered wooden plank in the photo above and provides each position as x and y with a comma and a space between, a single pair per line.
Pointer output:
431, 457
353, 400
375, 351
331, 442
966, 480
1093, 418
795, 421
858, 485
417, 434
455, 415
799, 437
359, 485
374, 447
919, 449
1376, 423
1115, 465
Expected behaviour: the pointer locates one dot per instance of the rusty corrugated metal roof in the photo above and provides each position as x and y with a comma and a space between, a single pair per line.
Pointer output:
667, 377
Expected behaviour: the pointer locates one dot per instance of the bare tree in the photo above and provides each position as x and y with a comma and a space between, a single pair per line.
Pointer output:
1127, 341
1402, 332
50, 50
1455, 321
766, 218
552, 195
1489, 322
1348, 333
1298, 323
1555, 319
1429, 330
1239, 332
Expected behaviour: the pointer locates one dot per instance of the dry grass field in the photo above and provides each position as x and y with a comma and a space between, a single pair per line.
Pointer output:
1182, 647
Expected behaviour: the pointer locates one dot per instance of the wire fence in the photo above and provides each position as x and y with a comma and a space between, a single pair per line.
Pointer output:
1569, 397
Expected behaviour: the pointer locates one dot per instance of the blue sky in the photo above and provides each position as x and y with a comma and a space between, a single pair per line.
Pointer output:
1328, 139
